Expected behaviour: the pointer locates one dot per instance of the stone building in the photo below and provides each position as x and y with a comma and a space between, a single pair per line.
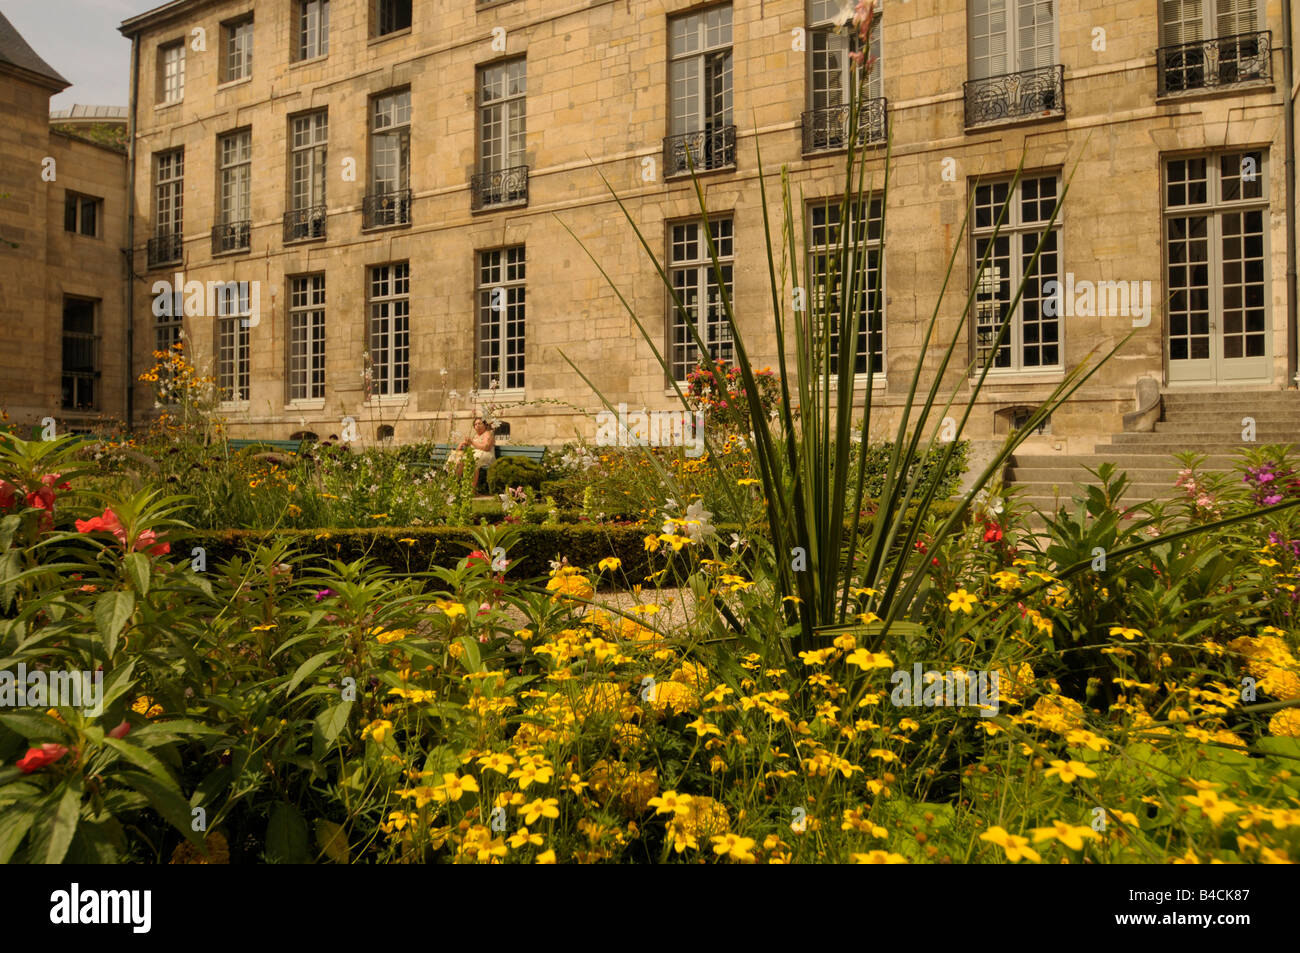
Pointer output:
379, 194
63, 290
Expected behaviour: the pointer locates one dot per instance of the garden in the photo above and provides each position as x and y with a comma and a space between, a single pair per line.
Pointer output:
810, 644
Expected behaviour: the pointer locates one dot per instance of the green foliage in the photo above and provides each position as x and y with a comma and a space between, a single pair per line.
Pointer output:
515, 471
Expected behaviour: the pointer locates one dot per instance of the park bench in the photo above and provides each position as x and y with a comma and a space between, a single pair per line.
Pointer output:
284, 446
442, 450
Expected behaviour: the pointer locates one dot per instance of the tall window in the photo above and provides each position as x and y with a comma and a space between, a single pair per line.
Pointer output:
389, 371
233, 360
832, 73
236, 50
80, 354
309, 136
390, 159
692, 276
1034, 337
829, 280
391, 16
1207, 43
81, 214
502, 119
1216, 213
1011, 36
236, 157
313, 32
171, 72
307, 337
699, 76
501, 318
168, 207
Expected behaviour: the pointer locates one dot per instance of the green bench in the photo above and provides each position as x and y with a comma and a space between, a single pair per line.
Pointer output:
443, 450
285, 446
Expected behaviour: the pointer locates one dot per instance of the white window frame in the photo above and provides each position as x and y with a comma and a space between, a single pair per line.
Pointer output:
502, 115
308, 145
311, 30
306, 351
825, 18
388, 300
700, 51
390, 142
235, 171
233, 345
1007, 36
818, 281
171, 72
237, 50
995, 288
502, 332
693, 273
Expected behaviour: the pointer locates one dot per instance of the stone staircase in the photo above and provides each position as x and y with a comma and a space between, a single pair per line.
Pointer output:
1208, 423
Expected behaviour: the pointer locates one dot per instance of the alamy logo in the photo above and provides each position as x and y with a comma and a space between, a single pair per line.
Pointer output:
133, 907
1104, 299
658, 428
213, 299
41, 689
946, 689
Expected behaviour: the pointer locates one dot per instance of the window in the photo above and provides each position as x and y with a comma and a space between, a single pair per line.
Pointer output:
307, 337
699, 75
1211, 43
389, 370
389, 201
828, 279
832, 77
1034, 338
1011, 36
81, 214
233, 319
308, 136
313, 36
503, 176
691, 273
236, 156
501, 318
80, 354
391, 16
171, 72
169, 206
237, 50
1216, 211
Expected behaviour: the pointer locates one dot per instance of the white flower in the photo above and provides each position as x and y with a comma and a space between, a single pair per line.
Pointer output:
697, 522
737, 542
443, 372
454, 395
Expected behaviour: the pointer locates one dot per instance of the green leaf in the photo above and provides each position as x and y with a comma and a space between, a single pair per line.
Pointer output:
286, 836
307, 667
140, 758
63, 824
329, 724
332, 841
166, 800
138, 569
15, 822
112, 611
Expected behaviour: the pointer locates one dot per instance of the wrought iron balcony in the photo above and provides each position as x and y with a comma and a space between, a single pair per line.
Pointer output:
825, 130
165, 249
232, 236
386, 208
1023, 95
304, 224
709, 149
1214, 63
502, 187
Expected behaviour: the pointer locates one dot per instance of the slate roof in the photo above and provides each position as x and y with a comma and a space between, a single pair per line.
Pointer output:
14, 52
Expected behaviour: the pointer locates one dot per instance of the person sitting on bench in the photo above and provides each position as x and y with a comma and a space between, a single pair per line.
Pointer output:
483, 442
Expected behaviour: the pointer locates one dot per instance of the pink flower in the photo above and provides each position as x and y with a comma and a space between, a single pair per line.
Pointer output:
120, 731
37, 758
110, 523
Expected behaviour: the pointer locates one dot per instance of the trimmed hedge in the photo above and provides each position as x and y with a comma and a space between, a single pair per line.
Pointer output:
418, 548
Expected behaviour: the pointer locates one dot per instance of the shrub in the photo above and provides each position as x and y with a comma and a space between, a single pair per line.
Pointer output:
515, 471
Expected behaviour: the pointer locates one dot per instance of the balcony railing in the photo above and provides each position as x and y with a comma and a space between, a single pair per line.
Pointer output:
826, 130
1023, 95
709, 149
304, 224
232, 236
1214, 63
386, 208
502, 187
165, 249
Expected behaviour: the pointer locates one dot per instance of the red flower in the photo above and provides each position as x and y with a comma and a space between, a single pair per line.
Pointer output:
120, 731
52, 480
7, 495
109, 523
37, 758
992, 533
42, 499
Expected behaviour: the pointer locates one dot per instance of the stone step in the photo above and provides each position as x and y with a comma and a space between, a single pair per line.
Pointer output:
1170, 444
1124, 460
1278, 427
1068, 476
1232, 396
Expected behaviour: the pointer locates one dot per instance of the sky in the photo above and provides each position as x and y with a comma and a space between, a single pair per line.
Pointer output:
79, 39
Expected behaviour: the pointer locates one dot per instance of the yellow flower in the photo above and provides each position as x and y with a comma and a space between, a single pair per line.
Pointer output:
521, 837
609, 562
1069, 770
1211, 806
1129, 634
737, 848
869, 660
961, 601
878, 857
652, 544
703, 728
497, 761
295, 510
1006, 580
1285, 723
546, 857
1015, 846
378, 730
550, 807
450, 607
670, 802
454, 786
748, 481
1071, 837
409, 541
